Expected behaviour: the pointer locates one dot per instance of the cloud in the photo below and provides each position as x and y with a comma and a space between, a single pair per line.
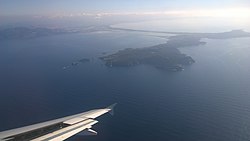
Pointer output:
224, 13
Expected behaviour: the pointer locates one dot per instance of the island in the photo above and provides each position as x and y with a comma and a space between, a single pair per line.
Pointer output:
76, 63
161, 57
84, 60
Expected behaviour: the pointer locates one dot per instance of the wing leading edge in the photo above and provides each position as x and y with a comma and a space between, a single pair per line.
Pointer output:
58, 129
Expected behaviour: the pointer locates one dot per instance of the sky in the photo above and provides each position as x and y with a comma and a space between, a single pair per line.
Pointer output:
50, 7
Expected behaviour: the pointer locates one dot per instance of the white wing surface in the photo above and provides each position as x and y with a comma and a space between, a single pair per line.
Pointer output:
58, 129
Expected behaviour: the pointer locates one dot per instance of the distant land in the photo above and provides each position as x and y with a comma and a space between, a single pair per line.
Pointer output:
20, 33
230, 34
194, 39
35, 32
166, 56
30, 33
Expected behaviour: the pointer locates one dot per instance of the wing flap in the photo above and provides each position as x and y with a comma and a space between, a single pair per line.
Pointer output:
67, 132
74, 120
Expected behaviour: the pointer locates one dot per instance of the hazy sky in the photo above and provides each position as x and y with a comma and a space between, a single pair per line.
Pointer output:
36, 7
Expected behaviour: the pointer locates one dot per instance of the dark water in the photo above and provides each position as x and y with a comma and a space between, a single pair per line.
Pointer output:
209, 101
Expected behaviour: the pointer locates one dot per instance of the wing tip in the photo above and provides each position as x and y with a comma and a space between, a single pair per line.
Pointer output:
111, 108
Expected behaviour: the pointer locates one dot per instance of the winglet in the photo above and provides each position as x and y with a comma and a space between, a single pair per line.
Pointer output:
111, 108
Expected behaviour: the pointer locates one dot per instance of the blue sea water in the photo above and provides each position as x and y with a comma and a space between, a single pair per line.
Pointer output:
208, 101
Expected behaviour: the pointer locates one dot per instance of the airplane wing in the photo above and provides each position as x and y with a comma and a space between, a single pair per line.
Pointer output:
58, 129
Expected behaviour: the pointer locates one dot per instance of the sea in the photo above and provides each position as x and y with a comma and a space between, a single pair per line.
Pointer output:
207, 101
